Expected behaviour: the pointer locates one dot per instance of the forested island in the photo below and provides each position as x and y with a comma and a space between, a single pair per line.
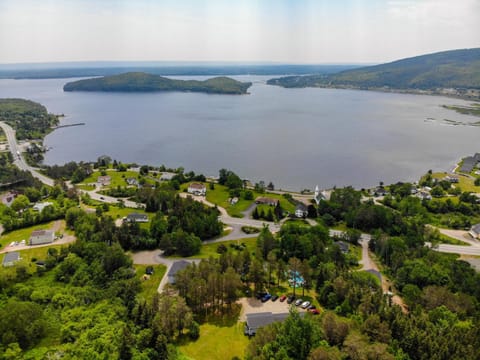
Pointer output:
455, 72
143, 82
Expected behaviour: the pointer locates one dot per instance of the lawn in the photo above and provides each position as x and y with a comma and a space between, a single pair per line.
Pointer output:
23, 234
39, 253
464, 183
150, 286
117, 177
217, 343
210, 250
220, 196
116, 212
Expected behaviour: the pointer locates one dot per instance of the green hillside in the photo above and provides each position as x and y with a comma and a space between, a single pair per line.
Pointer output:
459, 69
143, 82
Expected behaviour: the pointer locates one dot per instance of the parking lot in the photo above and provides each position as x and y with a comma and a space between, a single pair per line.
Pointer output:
252, 305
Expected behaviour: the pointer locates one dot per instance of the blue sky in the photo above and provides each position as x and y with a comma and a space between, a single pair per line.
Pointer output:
286, 31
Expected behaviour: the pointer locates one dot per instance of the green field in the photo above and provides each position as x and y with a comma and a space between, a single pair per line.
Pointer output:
24, 234
39, 253
210, 250
117, 177
150, 285
464, 183
217, 343
220, 196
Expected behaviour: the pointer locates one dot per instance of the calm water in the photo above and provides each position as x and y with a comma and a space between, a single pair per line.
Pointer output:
297, 138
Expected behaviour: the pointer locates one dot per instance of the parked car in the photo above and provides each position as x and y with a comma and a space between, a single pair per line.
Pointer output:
311, 307
266, 297
298, 302
283, 298
305, 304
149, 270
274, 297
260, 295
290, 299
314, 311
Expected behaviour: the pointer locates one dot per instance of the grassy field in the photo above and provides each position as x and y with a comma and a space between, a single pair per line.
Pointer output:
24, 234
464, 183
150, 286
444, 239
117, 177
26, 256
210, 250
220, 196
217, 343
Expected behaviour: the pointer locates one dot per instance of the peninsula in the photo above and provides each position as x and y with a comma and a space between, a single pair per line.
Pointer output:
452, 73
143, 82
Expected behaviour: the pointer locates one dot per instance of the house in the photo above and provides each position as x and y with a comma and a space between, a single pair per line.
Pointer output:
176, 267
344, 247
301, 210
319, 195
10, 259
258, 320
40, 206
266, 201
104, 180
7, 199
136, 217
167, 176
475, 231
197, 189
132, 181
452, 178
380, 191
424, 195
41, 237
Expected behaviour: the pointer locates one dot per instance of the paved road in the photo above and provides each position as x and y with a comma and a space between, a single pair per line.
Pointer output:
19, 160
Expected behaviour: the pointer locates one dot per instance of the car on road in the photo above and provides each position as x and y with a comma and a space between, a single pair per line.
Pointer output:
274, 297
290, 299
283, 298
298, 302
102, 198
305, 304
266, 298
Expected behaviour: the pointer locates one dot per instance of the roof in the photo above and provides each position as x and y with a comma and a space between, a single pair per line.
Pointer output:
254, 321
42, 233
266, 200
137, 216
342, 245
476, 228
176, 267
301, 206
197, 186
11, 257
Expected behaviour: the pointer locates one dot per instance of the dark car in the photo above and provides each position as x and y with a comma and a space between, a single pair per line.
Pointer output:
290, 299
274, 297
266, 298
260, 295
311, 307
149, 270
283, 298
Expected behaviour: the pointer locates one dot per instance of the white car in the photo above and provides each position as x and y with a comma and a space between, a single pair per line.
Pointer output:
305, 304
298, 302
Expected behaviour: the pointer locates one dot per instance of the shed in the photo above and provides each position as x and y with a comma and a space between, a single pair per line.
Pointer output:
11, 258
41, 237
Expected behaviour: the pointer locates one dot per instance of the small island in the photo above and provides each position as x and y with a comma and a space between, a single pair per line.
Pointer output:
143, 82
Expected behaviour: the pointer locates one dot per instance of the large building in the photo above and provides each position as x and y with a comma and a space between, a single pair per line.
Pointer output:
42, 237
258, 320
197, 189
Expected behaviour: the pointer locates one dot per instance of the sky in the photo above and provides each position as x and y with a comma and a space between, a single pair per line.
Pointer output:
281, 31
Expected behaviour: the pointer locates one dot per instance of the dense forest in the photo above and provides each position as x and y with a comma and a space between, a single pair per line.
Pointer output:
30, 119
143, 82
449, 69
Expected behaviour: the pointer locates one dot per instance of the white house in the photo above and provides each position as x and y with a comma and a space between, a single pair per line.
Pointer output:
301, 211
42, 237
136, 217
40, 206
197, 189
475, 231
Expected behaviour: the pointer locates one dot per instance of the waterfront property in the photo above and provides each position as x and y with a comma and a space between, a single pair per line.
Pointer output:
266, 201
132, 181
301, 210
10, 259
41, 237
197, 189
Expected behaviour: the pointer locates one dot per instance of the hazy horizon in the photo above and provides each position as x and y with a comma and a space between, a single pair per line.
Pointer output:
248, 31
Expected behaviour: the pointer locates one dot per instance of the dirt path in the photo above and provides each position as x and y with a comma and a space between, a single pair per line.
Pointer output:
369, 264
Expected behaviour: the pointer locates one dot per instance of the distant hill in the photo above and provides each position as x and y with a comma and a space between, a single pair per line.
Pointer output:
456, 69
143, 82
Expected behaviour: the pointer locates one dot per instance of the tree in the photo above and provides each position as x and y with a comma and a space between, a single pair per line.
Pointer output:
271, 259
265, 242
257, 275
21, 202
294, 266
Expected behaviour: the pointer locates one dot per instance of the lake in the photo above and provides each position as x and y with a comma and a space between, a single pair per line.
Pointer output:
296, 138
